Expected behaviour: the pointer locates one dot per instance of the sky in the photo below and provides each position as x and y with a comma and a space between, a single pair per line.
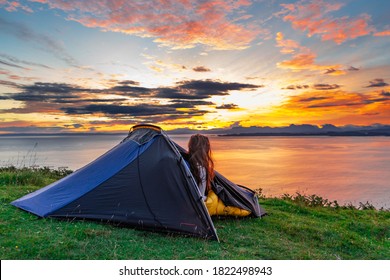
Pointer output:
103, 66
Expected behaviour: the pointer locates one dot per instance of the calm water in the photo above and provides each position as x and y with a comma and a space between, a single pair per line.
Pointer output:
347, 169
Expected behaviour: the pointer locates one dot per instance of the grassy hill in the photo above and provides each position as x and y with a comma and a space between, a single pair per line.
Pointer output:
297, 227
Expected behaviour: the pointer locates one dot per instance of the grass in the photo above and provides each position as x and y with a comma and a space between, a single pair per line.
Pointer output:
297, 227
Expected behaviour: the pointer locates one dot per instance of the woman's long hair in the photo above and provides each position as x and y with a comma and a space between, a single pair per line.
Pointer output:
200, 155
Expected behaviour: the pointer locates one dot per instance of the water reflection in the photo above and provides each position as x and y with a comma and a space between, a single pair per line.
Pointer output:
346, 169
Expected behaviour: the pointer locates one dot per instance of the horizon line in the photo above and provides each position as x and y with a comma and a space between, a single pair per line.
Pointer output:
210, 131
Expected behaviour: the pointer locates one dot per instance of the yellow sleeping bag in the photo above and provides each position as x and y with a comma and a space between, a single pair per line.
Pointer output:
216, 207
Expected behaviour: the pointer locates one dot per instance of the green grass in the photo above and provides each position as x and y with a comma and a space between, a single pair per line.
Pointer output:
294, 229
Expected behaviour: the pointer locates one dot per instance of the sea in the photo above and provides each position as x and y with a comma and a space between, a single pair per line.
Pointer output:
351, 170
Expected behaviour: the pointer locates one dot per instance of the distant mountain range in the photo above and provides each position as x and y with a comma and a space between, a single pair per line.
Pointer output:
295, 130
237, 130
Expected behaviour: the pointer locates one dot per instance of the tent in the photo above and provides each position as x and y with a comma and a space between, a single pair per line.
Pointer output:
143, 182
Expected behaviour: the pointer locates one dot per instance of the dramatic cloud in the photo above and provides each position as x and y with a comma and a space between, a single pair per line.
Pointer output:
50, 97
303, 58
208, 88
46, 92
151, 112
306, 61
186, 99
336, 100
378, 83
314, 17
177, 24
189, 89
132, 110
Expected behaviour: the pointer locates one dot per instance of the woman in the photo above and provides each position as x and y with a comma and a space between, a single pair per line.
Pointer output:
202, 168
201, 162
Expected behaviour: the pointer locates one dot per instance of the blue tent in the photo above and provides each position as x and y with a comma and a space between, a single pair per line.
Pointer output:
143, 182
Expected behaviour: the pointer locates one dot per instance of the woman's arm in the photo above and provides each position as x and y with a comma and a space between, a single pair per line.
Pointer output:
203, 180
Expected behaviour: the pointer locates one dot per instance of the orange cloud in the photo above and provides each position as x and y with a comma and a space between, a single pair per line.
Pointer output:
336, 106
301, 61
382, 33
176, 24
326, 100
313, 17
288, 46
328, 104
303, 58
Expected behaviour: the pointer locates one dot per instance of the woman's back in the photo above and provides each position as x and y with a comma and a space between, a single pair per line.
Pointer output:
201, 162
